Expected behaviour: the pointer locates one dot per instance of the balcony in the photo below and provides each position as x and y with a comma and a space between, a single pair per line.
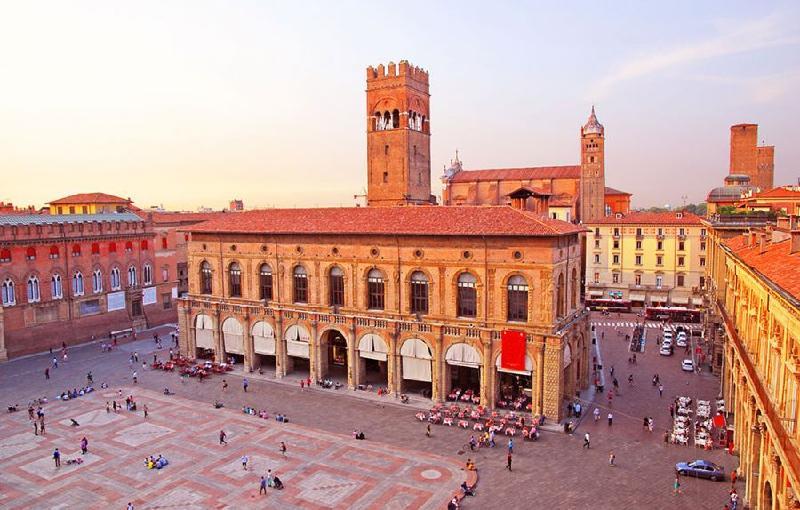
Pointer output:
615, 236
660, 237
657, 288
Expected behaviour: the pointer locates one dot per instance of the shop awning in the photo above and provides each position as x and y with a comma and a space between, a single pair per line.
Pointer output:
528, 367
697, 301
681, 300
463, 355
636, 297
373, 347
596, 293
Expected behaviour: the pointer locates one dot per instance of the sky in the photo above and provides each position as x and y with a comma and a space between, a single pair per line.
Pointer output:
193, 103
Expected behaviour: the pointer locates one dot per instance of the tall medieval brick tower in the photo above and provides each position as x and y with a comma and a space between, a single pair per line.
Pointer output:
748, 158
593, 180
398, 135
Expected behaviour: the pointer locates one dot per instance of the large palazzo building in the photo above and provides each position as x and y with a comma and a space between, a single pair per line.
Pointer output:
755, 283
410, 297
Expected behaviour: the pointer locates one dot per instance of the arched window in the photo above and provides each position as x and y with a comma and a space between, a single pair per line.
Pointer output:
265, 282
112, 247
164, 243
205, 278
396, 119
56, 288
116, 281
132, 281
560, 296
97, 281
375, 290
517, 299
77, 284
5, 255
33, 290
300, 285
419, 292
387, 120
30, 253
95, 248
54, 252
147, 274
467, 299
76, 250
8, 296
235, 279
336, 285
573, 295
144, 244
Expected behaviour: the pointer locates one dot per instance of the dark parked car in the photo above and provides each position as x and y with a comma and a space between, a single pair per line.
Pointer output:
701, 469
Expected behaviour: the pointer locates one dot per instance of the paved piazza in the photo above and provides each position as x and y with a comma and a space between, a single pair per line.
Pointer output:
396, 467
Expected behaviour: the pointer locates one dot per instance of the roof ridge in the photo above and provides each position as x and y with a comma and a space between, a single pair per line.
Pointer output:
534, 217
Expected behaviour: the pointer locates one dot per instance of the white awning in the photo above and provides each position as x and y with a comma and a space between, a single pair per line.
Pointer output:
204, 333
463, 355
697, 301
636, 297
528, 366
681, 300
416, 348
596, 293
297, 338
233, 334
567, 356
373, 347
417, 369
263, 338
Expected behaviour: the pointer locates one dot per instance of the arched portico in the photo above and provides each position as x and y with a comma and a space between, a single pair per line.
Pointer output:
298, 351
372, 362
204, 336
514, 387
416, 367
264, 346
334, 358
233, 339
463, 365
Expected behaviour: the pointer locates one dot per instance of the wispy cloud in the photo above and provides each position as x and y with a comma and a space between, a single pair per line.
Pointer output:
731, 39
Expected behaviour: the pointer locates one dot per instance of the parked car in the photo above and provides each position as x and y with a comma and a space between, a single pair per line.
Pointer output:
701, 469
667, 342
687, 365
681, 341
667, 333
665, 351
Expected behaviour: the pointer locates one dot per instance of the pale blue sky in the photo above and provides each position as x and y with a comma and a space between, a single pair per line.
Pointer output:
190, 103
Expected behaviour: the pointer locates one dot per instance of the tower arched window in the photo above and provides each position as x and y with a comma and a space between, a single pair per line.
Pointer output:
419, 292
205, 278
300, 285
97, 281
235, 279
54, 252
517, 293
116, 281
387, 120
112, 247
5, 255
336, 286
7, 293
375, 290
265, 282
30, 253
95, 248
128, 246
34, 295
395, 119
77, 284
76, 250
467, 298
132, 280
147, 274
56, 287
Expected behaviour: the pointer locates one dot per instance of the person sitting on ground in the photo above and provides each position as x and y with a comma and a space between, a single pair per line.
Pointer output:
13, 409
74, 423
218, 404
404, 398
453, 504
470, 465
167, 392
466, 489
358, 434
276, 483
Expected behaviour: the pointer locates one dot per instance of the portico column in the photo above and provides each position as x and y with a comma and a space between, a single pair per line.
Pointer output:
352, 362
486, 383
248, 344
391, 365
538, 382
437, 370
314, 353
219, 347
280, 348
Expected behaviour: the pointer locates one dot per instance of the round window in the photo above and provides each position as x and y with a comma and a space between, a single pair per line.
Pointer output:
467, 254
517, 255
233, 247
374, 252
418, 254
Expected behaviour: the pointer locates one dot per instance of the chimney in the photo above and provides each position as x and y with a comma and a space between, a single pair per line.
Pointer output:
794, 232
762, 242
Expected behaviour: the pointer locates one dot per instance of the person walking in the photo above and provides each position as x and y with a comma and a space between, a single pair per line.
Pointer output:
734, 475
511, 445
630, 380
650, 424
55, 362
508, 461
244, 462
144, 408
41, 429
57, 457
610, 419
282, 448
47, 374
84, 445
135, 377
586, 440
472, 442
676, 486
302, 385
611, 459
660, 390
245, 384
596, 414
491, 439
35, 428
222, 438
428, 430
263, 486
224, 385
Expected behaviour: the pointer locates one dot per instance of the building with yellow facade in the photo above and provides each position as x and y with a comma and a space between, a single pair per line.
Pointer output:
650, 259
90, 203
754, 282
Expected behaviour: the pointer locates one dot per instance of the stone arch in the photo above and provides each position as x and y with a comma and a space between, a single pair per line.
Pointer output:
463, 354
233, 336
373, 346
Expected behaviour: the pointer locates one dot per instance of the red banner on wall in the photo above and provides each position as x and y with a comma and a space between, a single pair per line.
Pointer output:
512, 356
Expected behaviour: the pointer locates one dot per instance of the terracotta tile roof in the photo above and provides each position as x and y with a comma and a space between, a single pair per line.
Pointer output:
562, 200
775, 263
88, 198
54, 219
183, 217
774, 193
612, 191
650, 218
511, 174
411, 220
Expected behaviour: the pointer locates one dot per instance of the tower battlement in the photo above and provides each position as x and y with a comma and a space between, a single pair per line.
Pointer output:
392, 70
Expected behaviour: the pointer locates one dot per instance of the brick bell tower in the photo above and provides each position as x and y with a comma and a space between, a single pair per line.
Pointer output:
593, 180
398, 135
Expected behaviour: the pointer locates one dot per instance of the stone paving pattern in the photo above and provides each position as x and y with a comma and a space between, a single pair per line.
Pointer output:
396, 466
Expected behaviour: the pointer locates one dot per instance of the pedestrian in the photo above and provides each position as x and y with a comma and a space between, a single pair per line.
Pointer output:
224, 385
472, 442
672, 410
302, 385
666, 437
244, 462
630, 380
222, 436
57, 457
611, 459
508, 461
64, 357
645, 422
270, 478
660, 390
676, 486
136, 356
596, 414
511, 445
610, 419
586, 440
35, 428
144, 408
114, 405
734, 475
47, 374
41, 430
308, 383
612, 370
428, 430
135, 377
84, 445
55, 362
263, 486
615, 383
282, 448
244, 384
491, 439
650, 424
130, 505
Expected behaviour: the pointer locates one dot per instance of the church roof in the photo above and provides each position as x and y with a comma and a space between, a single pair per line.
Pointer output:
612, 191
91, 198
519, 174
400, 220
